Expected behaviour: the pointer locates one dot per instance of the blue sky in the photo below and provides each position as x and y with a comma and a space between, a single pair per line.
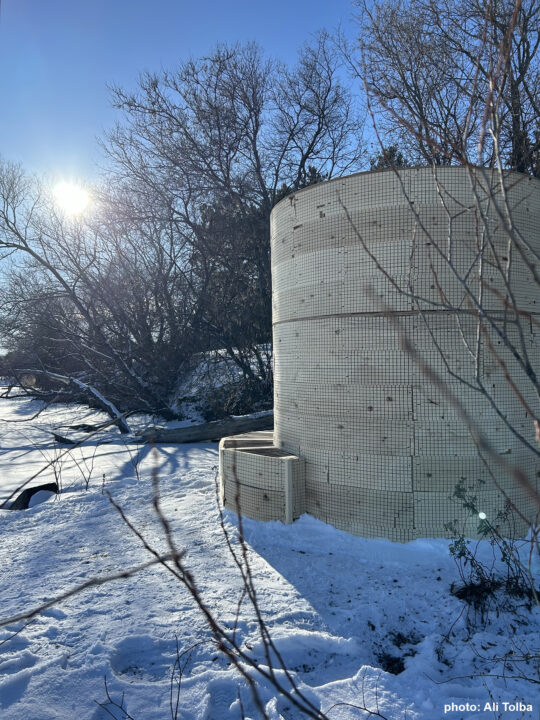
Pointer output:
57, 56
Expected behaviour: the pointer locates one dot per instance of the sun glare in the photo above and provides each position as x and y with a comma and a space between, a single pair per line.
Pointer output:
71, 198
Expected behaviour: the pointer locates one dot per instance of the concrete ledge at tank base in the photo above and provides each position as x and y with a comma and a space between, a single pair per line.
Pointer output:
259, 480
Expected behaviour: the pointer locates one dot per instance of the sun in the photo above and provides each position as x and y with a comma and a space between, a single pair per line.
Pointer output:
71, 198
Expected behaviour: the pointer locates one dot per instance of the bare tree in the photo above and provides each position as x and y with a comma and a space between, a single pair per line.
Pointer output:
213, 146
440, 72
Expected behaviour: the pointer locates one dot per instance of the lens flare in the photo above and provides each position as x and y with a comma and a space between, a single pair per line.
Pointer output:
71, 198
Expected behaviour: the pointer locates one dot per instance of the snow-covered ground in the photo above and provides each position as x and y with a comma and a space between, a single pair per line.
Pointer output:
358, 622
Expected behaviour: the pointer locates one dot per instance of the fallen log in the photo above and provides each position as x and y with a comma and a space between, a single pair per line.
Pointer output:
207, 431
22, 501
63, 440
101, 401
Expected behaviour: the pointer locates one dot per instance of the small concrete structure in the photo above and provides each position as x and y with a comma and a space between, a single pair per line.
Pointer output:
273, 480
361, 439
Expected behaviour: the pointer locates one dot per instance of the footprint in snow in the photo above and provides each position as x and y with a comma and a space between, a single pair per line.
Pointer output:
10, 642
17, 661
15, 674
317, 657
13, 687
55, 613
142, 658
221, 695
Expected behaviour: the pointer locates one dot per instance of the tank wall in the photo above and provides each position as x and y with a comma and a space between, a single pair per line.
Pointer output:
383, 449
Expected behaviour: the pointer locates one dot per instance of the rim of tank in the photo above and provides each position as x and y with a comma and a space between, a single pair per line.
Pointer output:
433, 168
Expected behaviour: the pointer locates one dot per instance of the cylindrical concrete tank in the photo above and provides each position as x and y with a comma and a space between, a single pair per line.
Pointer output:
384, 450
